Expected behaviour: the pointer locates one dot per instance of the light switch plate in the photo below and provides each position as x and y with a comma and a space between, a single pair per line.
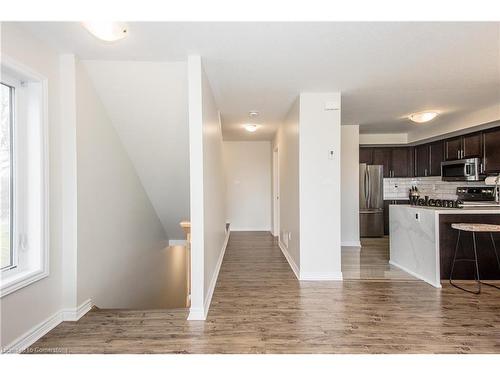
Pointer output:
331, 106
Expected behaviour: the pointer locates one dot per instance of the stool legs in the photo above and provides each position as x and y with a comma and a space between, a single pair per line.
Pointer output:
473, 260
498, 260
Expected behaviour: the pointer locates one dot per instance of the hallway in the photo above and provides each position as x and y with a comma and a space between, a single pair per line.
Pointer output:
260, 307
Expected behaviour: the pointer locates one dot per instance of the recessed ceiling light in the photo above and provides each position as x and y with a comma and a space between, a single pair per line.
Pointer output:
422, 116
251, 128
107, 31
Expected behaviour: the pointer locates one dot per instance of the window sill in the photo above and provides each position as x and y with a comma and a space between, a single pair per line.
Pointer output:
21, 279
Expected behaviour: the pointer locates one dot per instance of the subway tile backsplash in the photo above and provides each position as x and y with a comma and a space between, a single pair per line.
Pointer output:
398, 188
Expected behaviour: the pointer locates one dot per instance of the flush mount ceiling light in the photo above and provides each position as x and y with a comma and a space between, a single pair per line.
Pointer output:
107, 31
251, 128
421, 117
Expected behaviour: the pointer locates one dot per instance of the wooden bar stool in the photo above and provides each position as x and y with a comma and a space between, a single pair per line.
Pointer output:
474, 228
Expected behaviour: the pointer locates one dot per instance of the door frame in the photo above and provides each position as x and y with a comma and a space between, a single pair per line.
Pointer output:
276, 193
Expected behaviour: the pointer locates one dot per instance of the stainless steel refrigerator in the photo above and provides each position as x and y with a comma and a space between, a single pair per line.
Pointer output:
371, 200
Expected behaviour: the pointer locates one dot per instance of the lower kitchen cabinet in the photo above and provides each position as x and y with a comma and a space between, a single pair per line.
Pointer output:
386, 211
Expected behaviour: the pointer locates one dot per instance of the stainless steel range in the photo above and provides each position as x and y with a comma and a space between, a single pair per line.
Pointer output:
479, 196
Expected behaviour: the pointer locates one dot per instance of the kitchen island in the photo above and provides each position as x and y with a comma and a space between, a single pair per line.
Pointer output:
422, 242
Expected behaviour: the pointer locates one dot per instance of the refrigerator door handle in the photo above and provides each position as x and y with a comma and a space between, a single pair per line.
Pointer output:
365, 182
368, 190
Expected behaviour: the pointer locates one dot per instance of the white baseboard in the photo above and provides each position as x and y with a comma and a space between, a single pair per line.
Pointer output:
247, 229
196, 314
289, 259
181, 242
438, 285
72, 315
351, 243
37, 332
321, 276
201, 314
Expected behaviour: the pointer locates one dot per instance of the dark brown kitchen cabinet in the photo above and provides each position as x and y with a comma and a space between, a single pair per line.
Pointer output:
387, 203
422, 161
472, 146
436, 150
491, 159
453, 148
401, 162
382, 156
366, 155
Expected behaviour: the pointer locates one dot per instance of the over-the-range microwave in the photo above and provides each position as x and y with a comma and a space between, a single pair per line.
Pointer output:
462, 170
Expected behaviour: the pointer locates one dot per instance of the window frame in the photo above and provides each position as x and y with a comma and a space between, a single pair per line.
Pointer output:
11, 84
33, 256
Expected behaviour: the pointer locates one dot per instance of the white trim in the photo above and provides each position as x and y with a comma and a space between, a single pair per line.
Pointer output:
247, 229
177, 242
26, 277
201, 314
351, 243
415, 274
321, 276
72, 315
37, 332
33, 335
22, 280
289, 259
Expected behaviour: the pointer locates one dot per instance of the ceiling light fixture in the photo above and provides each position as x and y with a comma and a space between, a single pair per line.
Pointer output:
251, 128
421, 117
107, 31
253, 113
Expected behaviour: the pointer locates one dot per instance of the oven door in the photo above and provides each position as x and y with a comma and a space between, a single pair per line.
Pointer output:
460, 170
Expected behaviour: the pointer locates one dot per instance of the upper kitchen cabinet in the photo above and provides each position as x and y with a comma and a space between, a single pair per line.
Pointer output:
472, 146
464, 147
422, 160
436, 150
366, 155
491, 140
453, 148
401, 162
382, 156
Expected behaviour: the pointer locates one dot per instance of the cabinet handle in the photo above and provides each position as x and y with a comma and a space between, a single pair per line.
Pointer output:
425, 172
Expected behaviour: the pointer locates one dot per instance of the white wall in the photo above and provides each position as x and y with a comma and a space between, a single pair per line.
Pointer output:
320, 180
350, 185
147, 104
122, 246
208, 196
248, 185
287, 143
383, 139
34, 304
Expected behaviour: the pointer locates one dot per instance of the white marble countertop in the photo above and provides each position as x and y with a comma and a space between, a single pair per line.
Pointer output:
464, 210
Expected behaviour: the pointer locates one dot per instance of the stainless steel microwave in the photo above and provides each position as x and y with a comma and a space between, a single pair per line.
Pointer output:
461, 170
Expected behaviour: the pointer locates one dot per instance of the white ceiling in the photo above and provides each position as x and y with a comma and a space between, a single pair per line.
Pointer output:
384, 70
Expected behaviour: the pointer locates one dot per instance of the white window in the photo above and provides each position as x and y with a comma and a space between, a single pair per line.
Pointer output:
23, 177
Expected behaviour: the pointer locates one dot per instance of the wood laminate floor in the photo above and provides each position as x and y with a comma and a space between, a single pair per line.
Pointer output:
260, 307
371, 262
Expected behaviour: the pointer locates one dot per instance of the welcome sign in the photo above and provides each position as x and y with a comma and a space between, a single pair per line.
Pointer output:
447, 203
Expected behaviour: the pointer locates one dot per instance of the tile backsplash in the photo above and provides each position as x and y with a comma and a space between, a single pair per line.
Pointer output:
398, 188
